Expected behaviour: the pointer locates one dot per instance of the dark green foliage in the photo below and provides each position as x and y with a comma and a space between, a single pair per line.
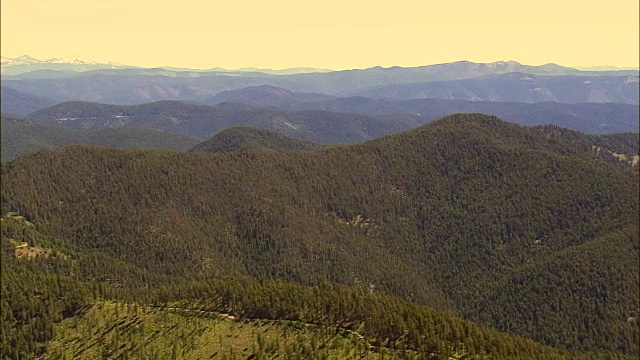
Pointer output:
36, 293
241, 138
379, 320
20, 137
468, 214
604, 147
533, 298
625, 143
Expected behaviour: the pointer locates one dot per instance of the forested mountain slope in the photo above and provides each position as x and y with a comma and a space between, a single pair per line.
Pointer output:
47, 312
20, 137
202, 121
468, 214
342, 120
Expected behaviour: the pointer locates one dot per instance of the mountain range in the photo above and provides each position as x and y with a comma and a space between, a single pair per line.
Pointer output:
500, 81
585, 117
26, 64
368, 118
451, 211
319, 118
530, 231
518, 87
202, 121
179, 126
20, 103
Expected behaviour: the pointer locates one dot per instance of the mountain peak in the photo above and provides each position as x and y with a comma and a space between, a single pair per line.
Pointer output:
24, 59
27, 58
26, 63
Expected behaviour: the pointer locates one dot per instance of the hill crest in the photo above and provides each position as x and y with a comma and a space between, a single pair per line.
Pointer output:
244, 138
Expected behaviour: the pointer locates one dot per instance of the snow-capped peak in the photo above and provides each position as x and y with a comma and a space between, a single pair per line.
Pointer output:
26, 59
26, 63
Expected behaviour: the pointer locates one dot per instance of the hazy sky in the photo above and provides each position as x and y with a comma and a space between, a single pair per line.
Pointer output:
326, 34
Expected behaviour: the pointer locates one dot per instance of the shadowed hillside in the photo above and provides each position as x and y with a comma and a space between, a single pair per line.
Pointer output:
20, 103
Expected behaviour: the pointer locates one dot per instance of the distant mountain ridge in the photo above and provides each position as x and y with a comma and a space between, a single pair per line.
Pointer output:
591, 118
265, 96
137, 85
25, 63
133, 86
327, 121
586, 117
203, 121
287, 71
20, 103
518, 86
607, 68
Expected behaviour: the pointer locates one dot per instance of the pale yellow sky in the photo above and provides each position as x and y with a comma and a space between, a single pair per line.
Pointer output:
325, 34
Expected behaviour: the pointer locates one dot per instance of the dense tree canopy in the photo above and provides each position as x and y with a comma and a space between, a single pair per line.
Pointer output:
527, 230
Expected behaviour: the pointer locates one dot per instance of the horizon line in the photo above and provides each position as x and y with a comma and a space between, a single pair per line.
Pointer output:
325, 69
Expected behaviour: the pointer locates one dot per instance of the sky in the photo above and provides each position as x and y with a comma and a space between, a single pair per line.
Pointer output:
328, 34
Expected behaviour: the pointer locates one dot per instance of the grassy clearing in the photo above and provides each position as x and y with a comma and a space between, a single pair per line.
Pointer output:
120, 331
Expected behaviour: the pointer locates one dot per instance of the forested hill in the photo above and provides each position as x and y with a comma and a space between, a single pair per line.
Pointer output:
523, 229
202, 121
21, 137
242, 138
